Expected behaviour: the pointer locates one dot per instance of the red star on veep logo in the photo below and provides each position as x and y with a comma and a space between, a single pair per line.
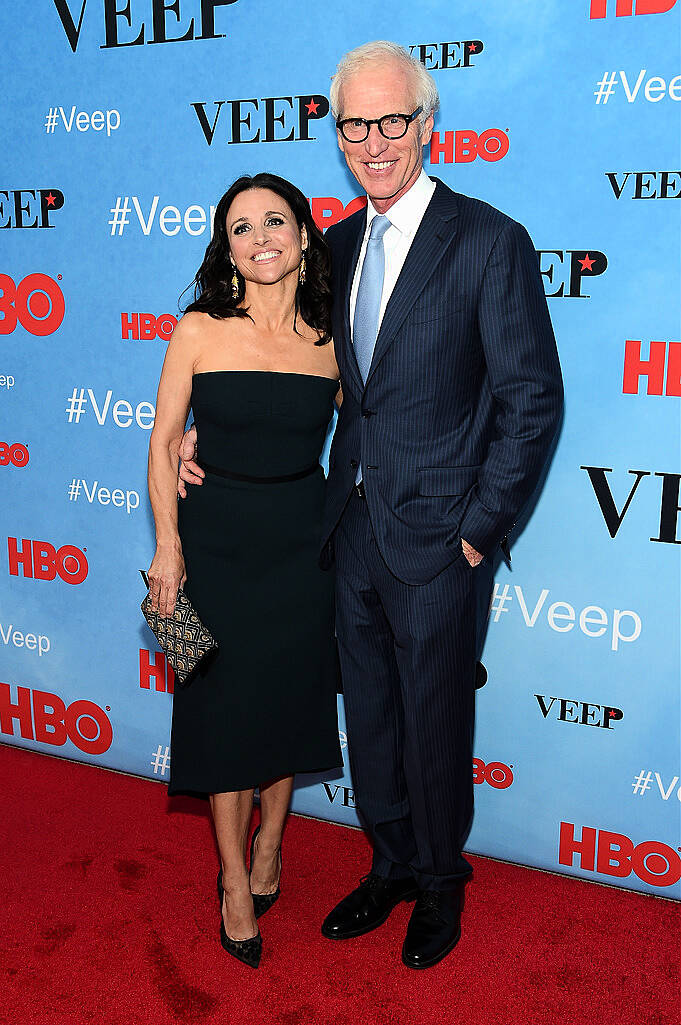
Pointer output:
586, 264
472, 48
50, 199
312, 107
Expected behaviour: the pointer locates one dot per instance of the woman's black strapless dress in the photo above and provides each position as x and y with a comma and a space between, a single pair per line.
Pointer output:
265, 705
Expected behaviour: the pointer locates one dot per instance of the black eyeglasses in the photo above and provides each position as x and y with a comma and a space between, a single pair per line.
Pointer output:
391, 126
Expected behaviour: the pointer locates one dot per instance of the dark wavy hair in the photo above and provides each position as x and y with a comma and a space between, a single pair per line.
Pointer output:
213, 281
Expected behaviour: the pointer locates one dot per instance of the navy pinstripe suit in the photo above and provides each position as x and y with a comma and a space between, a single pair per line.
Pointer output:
452, 429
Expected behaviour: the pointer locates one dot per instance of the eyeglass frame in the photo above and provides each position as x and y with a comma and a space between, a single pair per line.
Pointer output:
409, 118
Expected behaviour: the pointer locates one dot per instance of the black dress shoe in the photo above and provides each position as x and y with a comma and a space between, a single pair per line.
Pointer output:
367, 907
434, 927
262, 902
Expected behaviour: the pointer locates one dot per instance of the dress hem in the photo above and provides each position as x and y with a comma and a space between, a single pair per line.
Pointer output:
179, 788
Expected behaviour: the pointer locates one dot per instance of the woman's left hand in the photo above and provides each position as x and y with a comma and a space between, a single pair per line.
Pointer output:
166, 574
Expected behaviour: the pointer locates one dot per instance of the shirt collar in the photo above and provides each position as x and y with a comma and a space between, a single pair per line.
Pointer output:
408, 211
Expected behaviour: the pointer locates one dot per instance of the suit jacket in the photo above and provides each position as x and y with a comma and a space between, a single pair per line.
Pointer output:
464, 392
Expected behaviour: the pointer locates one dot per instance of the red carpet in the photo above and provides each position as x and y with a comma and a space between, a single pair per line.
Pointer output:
110, 916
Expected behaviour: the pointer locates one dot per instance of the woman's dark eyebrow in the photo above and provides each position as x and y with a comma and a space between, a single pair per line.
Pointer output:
268, 213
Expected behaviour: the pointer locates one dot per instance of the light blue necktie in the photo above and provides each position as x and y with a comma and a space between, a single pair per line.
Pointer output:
368, 303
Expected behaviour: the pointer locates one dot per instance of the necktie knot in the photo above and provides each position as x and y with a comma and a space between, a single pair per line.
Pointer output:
379, 226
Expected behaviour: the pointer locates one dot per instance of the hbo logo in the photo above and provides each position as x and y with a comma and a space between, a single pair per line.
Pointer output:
464, 147
497, 774
37, 302
146, 325
15, 454
42, 561
44, 717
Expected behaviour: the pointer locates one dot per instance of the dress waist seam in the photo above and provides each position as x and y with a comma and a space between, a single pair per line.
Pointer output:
250, 479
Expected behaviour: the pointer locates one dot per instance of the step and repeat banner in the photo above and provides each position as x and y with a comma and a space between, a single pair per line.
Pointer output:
124, 121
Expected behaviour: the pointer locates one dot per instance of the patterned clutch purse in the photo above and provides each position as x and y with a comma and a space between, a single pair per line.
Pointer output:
183, 638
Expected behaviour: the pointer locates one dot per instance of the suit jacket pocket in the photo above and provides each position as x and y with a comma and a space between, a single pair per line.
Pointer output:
446, 480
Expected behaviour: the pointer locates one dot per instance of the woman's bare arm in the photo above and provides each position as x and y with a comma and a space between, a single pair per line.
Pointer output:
167, 571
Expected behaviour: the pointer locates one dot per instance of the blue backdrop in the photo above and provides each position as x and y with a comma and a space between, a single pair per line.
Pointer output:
122, 125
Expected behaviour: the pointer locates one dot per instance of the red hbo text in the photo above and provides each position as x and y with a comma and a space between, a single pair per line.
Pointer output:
327, 210
159, 670
42, 561
45, 718
146, 325
497, 774
653, 368
463, 147
16, 454
37, 302
625, 8
615, 855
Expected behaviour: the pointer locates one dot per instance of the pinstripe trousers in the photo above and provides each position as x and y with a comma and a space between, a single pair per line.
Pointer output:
408, 655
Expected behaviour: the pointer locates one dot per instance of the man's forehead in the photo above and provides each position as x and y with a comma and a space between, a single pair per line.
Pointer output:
377, 88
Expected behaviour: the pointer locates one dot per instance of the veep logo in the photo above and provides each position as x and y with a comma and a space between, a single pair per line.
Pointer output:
327, 210
584, 712
29, 208
669, 504
45, 718
160, 671
42, 561
146, 325
645, 184
652, 368
16, 454
37, 302
345, 793
281, 118
625, 8
569, 267
440, 56
464, 146
615, 855
162, 29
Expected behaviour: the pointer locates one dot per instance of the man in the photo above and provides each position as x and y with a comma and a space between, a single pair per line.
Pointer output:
451, 397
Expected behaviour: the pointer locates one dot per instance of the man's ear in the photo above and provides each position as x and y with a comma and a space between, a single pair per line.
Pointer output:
427, 129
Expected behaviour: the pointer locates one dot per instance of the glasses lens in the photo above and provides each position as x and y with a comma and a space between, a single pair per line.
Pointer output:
393, 126
355, 131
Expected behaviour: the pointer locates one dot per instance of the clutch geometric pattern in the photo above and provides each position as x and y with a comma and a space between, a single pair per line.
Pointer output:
183, 638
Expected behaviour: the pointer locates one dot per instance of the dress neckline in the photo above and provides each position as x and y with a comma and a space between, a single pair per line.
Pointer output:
273, 373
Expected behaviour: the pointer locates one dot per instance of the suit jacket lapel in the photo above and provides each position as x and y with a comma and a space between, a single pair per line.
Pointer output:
351, 256
434, 235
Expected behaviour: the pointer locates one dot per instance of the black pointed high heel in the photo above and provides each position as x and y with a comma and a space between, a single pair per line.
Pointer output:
247, 951
262, 902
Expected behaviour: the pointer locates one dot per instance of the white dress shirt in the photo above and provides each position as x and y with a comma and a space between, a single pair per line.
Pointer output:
405, 217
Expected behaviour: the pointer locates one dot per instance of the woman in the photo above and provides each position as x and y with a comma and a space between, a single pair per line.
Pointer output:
253, 358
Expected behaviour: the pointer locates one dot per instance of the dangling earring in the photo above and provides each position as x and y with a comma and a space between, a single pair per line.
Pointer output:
302, 269
235, 284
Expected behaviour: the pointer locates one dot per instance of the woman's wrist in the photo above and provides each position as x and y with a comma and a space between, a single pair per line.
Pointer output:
169, 543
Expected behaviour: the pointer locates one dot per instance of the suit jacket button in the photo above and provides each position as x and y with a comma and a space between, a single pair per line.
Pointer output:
353, 464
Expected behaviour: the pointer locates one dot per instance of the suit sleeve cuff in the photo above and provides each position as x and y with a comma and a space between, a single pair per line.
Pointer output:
482, 528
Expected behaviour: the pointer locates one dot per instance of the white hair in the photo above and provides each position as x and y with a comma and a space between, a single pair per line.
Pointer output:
425, 90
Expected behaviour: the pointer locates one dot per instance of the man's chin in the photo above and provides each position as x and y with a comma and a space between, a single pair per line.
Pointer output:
376, 188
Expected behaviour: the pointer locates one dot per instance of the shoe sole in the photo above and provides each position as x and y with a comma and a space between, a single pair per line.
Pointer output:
375, 925
434, 960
